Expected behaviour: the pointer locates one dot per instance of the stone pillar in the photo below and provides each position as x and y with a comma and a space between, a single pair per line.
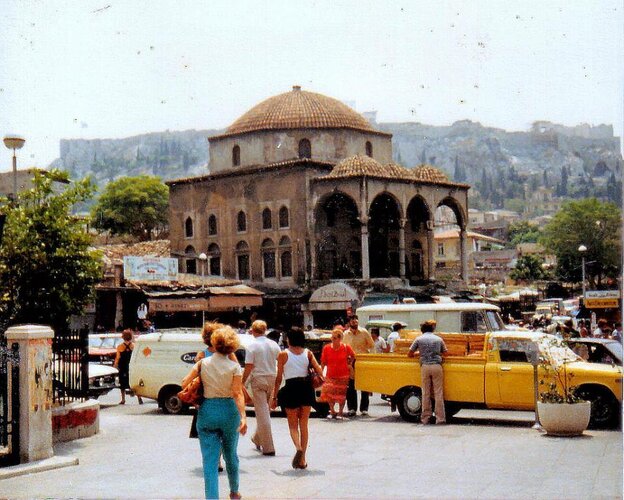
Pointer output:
402, 223
430, 254
365, 258
35, 390
463, 254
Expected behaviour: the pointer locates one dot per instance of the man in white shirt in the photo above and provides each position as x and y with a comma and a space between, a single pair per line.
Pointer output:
261, 365
394, 334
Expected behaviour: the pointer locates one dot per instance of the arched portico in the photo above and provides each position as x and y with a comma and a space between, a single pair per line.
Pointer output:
419, 235
461, 221
337, 236
384, 223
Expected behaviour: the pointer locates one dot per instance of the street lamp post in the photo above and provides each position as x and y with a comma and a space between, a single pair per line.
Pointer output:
14, 142
203, 258
582, 249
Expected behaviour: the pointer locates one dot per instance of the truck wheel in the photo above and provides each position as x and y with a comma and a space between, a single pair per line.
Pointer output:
605, 409
169, 401
409, 403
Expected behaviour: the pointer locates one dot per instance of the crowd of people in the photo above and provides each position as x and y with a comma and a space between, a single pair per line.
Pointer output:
579, 329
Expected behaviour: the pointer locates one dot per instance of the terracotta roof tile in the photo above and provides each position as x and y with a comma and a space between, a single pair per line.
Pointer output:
156, 248
429, 174
299, 109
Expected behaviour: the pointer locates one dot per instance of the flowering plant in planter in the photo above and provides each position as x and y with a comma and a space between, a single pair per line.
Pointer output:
556, 382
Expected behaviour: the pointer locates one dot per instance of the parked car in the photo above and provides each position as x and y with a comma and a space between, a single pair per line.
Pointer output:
103, 347
597, 350
102, 379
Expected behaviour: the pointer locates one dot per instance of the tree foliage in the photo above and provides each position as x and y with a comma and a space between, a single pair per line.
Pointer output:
591, 223
530, 268
47, 268
522, 232
133, 205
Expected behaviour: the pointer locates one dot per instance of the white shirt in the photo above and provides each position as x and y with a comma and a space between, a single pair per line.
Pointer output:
380, 345
217, 372
391, 338
296, 365
142, 311
262, 353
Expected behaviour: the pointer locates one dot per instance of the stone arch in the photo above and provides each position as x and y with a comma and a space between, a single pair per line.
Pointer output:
285, 256
305, 148
384, 216
243, 270
267, 249
419, 220
214, 259
190, 260
337, 233
457, 208
188, 227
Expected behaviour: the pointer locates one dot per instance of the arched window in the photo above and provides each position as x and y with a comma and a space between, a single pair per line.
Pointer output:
369, 149
283, 217
188, 227
268, 259
242, 260
285, 257
236, 156
305, 149
212, 225
214, 256
241, 222
267, 223
190, 260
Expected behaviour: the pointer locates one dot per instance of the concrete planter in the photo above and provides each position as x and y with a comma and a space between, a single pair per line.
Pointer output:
563, 419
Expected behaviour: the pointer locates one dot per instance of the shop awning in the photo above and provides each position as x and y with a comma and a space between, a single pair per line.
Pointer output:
333, 297
218, 298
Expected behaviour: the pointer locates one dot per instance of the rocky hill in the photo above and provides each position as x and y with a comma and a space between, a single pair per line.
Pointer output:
496, 162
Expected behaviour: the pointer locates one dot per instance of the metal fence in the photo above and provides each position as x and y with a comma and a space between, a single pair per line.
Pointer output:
9, 403
70, 368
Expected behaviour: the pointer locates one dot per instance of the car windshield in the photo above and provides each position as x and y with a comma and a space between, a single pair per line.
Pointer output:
496, 322
556, 350
616, 349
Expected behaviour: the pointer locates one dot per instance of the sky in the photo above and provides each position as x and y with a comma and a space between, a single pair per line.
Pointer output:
111, 69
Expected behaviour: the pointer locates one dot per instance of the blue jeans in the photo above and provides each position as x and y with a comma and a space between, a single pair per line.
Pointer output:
217, 425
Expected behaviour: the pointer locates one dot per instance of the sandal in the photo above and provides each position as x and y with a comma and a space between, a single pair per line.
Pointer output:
297, 459
236, 495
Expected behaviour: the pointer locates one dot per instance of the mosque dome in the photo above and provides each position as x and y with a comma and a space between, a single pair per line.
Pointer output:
428, 173
299, 109
365, 166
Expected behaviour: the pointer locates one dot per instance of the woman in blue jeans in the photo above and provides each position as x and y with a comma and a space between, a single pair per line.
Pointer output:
221, 417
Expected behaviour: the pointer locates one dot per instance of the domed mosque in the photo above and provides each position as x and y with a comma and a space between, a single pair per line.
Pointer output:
301, 191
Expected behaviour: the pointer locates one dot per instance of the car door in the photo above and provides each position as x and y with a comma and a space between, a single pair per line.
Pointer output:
514, 374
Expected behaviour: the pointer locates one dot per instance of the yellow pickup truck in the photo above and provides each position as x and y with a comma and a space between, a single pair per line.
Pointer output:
491, 370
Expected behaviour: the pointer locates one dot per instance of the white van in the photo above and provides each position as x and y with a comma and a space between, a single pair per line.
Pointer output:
455, 317
161, 360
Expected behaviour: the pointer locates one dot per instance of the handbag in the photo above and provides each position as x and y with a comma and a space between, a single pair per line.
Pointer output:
313, 377
193, 394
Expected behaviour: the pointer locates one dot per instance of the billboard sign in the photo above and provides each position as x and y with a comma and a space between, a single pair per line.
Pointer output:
150, 268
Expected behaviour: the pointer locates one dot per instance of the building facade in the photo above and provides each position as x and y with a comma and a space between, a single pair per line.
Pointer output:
301, 191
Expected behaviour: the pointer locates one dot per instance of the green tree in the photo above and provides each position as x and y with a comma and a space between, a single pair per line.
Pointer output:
133, 205
47, 266
591, 223
522, 232
529, 268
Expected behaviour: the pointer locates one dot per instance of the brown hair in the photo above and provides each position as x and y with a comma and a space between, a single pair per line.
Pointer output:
224, 340
428, 326
208, 330
127, 335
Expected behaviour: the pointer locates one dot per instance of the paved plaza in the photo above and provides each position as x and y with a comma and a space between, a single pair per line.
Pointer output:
141, 453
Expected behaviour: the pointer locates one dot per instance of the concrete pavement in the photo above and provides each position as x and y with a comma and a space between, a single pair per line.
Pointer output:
141, 453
